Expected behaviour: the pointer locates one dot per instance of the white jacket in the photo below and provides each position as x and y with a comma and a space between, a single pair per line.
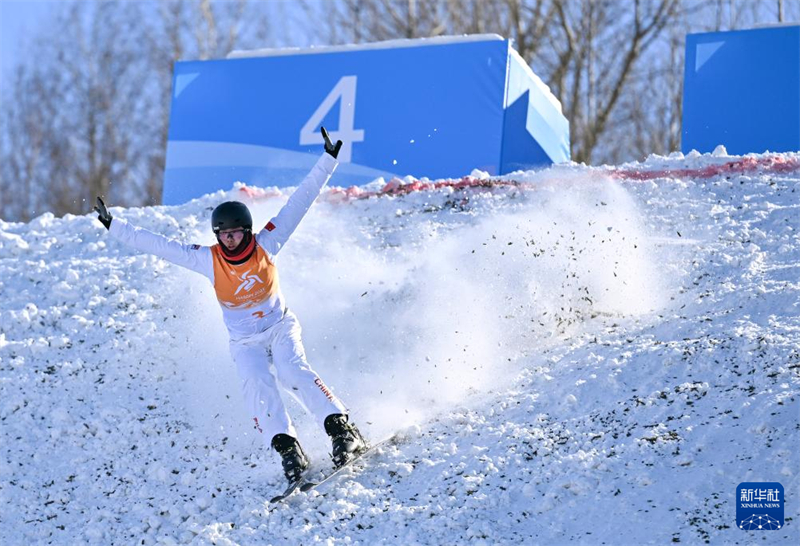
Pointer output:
249, 293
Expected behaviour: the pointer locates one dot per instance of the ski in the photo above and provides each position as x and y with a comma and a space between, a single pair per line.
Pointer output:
289, 490
309, 485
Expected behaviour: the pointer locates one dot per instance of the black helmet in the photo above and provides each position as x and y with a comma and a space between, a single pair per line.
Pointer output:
231, 215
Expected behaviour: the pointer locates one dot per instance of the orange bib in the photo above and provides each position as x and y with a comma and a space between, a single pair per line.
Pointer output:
245, 285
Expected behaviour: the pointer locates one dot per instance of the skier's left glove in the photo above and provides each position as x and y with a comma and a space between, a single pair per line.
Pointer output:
102, 213
330, 147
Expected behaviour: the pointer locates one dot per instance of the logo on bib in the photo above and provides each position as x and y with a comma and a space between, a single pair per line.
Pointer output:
248, 282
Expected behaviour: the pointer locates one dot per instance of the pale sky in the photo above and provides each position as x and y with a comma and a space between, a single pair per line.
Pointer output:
21, 18
18, 19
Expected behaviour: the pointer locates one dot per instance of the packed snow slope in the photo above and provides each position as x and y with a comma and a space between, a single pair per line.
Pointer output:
574, 356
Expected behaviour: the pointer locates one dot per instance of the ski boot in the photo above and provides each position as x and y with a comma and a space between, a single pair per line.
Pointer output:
293, 458
346, 440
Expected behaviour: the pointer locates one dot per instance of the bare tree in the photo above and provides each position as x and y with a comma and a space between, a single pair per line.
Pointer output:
23, 131
185, 30
77, 123
90, 117
74, 112
358, 21
586, 50
375, 20
592, 58
651, 112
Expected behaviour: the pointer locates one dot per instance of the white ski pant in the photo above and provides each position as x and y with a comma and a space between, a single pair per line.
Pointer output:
276, 357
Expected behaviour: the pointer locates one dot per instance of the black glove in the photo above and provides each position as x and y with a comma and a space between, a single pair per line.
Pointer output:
103, 214
330, 148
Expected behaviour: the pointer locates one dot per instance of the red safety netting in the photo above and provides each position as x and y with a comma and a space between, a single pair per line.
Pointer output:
396, 186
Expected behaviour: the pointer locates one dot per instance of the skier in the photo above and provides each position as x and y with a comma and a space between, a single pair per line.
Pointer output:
262, 330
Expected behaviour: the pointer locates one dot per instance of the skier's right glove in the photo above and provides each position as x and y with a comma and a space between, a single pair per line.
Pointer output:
102, 213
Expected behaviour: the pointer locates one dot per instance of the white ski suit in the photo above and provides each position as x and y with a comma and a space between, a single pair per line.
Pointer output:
262, 330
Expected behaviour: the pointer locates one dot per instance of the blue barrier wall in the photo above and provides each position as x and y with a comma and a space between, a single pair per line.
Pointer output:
430, 108
742, 90
534, 131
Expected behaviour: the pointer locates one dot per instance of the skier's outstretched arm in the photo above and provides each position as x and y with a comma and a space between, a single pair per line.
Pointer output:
195, 257
279, 229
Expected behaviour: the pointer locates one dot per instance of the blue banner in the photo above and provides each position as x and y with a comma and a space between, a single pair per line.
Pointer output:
426, 108
742, 90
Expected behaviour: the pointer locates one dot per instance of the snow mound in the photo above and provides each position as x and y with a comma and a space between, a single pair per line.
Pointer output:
561, 349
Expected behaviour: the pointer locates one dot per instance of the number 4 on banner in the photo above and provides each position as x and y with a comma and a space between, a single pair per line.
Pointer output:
345, 89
